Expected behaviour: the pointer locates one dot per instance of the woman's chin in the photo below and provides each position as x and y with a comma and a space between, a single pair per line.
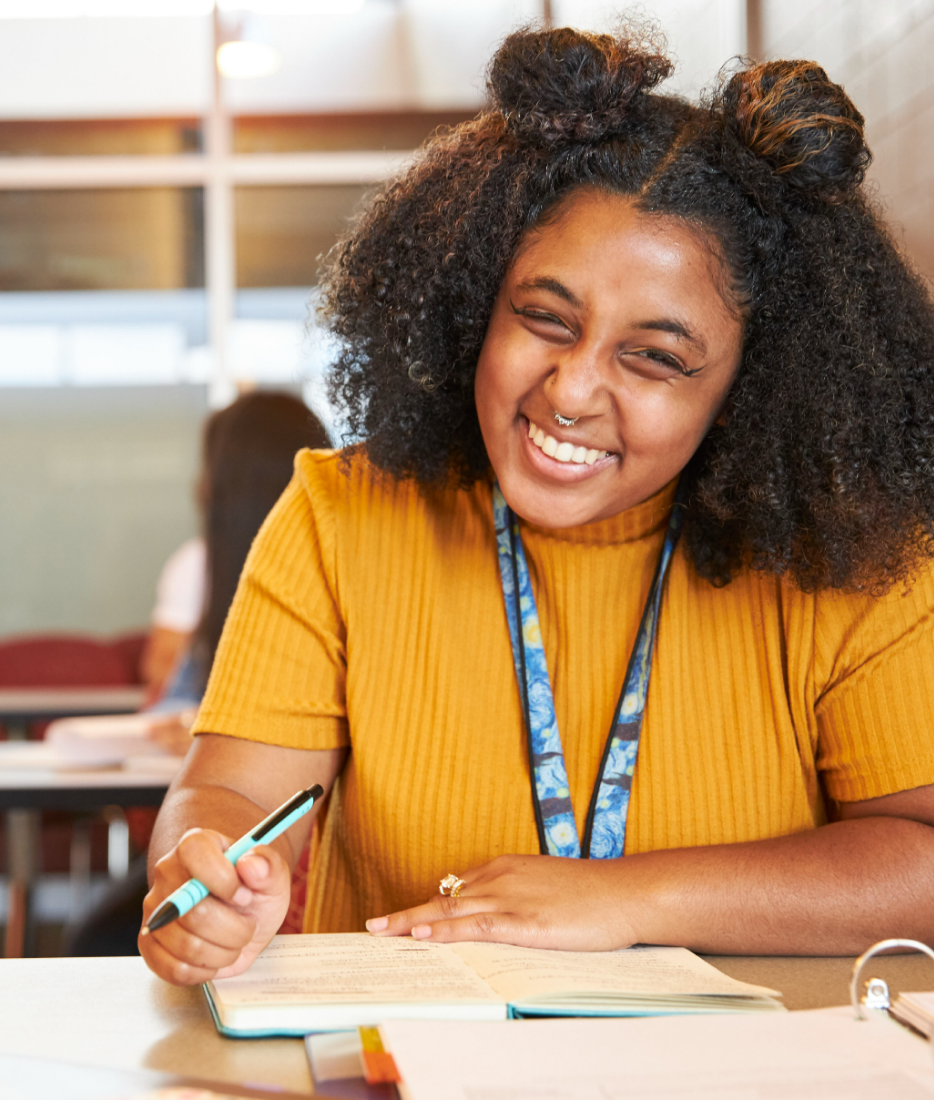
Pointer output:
557, 507
549, 493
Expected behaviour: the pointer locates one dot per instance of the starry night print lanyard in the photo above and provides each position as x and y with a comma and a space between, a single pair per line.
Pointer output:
605, 832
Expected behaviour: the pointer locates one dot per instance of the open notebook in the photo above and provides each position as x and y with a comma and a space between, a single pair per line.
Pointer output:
328, 982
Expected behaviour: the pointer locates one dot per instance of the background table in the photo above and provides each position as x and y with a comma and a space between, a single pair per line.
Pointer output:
20, 706
114, 1013
30, 782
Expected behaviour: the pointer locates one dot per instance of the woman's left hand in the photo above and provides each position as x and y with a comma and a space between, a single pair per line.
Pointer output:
530, 901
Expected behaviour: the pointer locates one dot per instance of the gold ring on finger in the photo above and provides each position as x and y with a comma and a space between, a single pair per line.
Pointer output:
451, 886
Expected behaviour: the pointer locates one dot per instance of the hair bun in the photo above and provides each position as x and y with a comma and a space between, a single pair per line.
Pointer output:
567, 85
793, 116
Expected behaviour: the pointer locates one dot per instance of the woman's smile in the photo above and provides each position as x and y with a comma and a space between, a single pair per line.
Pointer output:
613, 321
566, 451
559, 455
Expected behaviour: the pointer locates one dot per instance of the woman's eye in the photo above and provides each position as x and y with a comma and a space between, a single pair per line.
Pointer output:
543, 318
663, 359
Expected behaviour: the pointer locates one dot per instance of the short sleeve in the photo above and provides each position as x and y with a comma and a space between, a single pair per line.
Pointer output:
180, 589
279, 674
876, 716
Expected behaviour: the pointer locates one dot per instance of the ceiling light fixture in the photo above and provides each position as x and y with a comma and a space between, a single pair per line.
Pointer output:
247, 50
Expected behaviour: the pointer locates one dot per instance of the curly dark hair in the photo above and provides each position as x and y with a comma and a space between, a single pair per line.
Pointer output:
823, 468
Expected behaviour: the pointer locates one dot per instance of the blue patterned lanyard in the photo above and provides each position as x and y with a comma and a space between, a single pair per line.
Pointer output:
605, 833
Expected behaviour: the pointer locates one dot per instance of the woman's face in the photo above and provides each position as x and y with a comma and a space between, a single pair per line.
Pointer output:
613, 318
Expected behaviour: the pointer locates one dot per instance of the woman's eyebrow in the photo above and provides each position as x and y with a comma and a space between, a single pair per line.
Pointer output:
677, 329
553, 286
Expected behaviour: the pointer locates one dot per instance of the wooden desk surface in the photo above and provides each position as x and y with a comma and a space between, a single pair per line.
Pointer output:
821, 983
115, 1013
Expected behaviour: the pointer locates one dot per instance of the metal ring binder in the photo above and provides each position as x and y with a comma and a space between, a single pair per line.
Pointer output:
877, 992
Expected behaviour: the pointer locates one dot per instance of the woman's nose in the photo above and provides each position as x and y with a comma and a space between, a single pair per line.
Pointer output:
574, 387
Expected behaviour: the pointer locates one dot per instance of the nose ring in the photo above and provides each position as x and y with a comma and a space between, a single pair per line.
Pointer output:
566, 421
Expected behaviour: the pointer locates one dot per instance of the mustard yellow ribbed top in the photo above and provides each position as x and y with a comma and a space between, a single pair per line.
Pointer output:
370, 613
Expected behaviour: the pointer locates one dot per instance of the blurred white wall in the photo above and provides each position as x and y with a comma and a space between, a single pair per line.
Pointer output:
881, 53
702, 34
104, 68
405, 54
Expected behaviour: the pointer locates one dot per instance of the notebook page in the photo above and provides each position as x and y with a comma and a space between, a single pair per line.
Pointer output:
521, 973
351, 968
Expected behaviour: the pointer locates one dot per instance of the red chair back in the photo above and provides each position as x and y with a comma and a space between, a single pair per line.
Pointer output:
69, 660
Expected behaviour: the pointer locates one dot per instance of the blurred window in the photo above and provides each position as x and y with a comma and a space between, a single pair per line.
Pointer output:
144, 238
282, 232
99, 137
339, 132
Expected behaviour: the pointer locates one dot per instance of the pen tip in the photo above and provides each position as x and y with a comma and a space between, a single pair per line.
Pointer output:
162, 915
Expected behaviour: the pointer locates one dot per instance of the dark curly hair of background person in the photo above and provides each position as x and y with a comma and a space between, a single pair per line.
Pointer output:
823, 466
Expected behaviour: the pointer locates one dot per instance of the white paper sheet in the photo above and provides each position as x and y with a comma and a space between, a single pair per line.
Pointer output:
822, 1055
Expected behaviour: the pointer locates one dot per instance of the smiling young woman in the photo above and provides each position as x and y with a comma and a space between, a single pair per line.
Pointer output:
623, 613
615, 319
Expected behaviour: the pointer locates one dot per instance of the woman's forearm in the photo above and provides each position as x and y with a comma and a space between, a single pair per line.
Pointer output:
830, 891
229, 784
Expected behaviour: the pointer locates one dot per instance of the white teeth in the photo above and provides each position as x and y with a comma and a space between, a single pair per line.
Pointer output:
563, 452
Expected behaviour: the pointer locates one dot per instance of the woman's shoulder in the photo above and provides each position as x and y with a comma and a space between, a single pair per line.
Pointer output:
347, 486
868, 623
844, 632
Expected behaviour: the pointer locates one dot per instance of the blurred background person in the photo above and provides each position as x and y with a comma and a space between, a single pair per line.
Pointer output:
247, 455
178, 610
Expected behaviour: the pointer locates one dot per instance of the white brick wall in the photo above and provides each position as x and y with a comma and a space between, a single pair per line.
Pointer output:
882, 51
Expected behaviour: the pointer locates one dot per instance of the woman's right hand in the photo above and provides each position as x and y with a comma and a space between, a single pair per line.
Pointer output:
223, 934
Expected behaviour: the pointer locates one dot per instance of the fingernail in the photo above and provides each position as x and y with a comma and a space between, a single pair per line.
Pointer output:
377, 924
243, 897
259, 865
421, 932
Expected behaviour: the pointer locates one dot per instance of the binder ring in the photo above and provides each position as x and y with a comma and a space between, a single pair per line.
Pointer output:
879, 998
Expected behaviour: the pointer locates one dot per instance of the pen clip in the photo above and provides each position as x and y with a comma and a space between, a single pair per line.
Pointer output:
312, 794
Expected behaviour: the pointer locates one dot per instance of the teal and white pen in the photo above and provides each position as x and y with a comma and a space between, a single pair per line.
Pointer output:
188, 895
